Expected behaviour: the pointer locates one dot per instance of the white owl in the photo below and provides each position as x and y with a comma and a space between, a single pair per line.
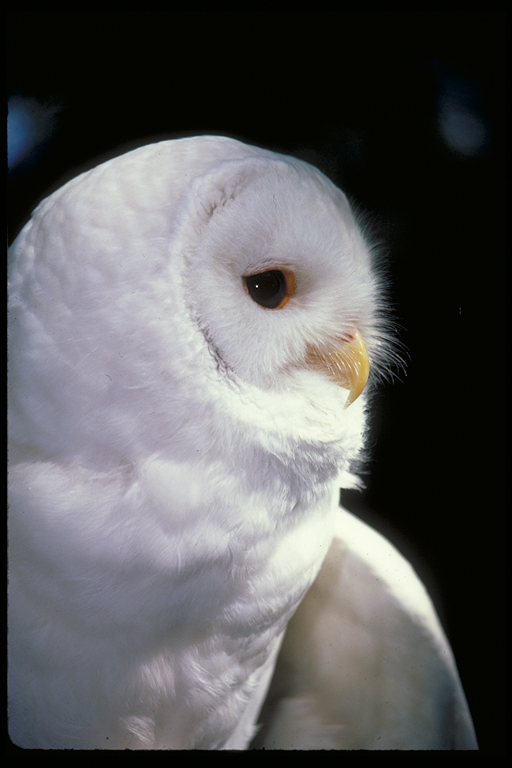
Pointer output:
190, 327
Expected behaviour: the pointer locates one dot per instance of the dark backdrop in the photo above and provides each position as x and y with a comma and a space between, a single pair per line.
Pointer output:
404, 111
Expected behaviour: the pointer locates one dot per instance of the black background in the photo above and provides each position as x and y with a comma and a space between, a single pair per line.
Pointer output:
357, 94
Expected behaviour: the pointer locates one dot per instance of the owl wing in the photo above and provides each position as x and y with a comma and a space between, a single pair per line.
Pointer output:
365, 663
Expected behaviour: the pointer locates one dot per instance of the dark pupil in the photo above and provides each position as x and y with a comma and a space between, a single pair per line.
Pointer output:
267, 289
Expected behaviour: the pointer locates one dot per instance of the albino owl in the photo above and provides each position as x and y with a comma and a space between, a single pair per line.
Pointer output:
191, 326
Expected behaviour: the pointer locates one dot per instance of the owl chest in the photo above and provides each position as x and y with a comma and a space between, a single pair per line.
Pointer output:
251, 563
225, 634
181, 609
228, 547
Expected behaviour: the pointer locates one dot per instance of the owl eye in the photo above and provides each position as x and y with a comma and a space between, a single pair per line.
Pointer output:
271, 289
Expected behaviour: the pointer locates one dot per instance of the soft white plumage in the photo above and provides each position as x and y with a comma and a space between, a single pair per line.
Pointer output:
176, 457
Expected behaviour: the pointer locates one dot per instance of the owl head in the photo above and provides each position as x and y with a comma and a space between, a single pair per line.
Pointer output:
193, 286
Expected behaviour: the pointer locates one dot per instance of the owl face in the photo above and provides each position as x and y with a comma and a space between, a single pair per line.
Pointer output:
291, 289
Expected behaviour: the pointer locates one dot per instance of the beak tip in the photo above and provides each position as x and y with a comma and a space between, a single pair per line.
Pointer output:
347, 364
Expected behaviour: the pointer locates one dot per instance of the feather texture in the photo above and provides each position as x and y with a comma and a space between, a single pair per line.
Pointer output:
176, 457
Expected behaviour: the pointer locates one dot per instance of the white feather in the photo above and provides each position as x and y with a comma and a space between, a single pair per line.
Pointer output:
365, 663
174, 459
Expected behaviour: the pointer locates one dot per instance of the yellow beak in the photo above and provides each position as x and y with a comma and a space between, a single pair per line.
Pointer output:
347, 364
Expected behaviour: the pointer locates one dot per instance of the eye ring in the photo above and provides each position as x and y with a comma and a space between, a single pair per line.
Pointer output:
270, 288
